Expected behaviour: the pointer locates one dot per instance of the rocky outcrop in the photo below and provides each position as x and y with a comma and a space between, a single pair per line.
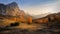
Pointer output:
10, 13
12, 9
2, 9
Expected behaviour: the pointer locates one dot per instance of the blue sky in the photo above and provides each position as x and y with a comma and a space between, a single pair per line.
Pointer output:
34, 6
28, 3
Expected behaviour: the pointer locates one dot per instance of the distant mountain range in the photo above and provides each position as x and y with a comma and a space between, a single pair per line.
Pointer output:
55, 17
41, 15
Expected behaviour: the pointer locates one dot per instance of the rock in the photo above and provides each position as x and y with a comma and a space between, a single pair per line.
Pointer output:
12, 9
2, 9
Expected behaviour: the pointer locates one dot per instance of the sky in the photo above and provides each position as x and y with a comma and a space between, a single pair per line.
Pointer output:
36, 7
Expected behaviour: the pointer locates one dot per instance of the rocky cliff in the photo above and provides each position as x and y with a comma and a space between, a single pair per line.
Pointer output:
12, 9
10, 13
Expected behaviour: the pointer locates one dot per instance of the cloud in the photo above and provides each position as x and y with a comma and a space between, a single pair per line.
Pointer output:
42, 9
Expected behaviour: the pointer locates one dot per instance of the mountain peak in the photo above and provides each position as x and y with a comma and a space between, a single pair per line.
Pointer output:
13, 4
12, 9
